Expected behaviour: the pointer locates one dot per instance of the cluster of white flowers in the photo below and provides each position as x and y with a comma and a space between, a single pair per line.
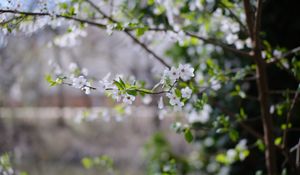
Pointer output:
8, 171
175, 101
230, 28
82, 83
5, 165
110, 28
184, 71
240, 152
104, 114
70, 39
200, 116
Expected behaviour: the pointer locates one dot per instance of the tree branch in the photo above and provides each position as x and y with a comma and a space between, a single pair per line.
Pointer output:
222, 45
288, 53
127, 32
237, 19
51, 15
288, 119
249, 17
262, 85
244, 125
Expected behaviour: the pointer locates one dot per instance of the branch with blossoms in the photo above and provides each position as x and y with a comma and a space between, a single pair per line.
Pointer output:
116, 26
119, 89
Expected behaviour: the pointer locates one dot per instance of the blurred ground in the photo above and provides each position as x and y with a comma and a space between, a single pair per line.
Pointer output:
41, 145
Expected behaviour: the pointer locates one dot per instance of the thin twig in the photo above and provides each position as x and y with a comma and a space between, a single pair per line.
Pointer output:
246, 127
217, 43
237, 19
127, 32
53, 15
249, 17
288, 119
288, 53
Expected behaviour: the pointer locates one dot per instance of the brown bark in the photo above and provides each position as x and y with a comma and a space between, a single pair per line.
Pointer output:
262, 85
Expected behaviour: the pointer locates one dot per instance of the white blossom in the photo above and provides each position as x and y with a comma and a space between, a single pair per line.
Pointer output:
186, 71
277, 53
109, 28
242, 145
231, 38
128, 99
105, 115
186, 92
116, 94
104, 83
231, 155
178, 105
173, 98
87, 88
147, 99
173, 74
215, 84
118, 118
239, 44
162, 113
201, 116
84, 71
248, 42
79, 82
160, 103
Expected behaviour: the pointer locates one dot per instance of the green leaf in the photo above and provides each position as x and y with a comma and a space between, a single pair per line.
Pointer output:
221, 158
259, 172
234, 135
122, 83
188, 135
87, 163
48, 78
178, 93
260, 144
278, 141
140, 31
151, 2
147, 91
63, 5
23, 173
51, 82
227, 3
131, 92
286, 126
119, 85
177, 127
72, 10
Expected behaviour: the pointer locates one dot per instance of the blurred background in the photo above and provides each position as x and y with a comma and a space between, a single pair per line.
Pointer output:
39, 124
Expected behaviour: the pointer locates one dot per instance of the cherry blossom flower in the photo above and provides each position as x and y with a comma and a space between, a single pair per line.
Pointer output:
116, 95
104, 83
84, 71
87, 88
201, 116
72, 67
186, 92
160, 103
173, 98
231, 155
147, 99
186, 72
162, 113
109, 28
128, 99
173, 74
79, 82
178, 105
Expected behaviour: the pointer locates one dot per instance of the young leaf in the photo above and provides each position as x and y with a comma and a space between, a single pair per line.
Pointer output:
188, 135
